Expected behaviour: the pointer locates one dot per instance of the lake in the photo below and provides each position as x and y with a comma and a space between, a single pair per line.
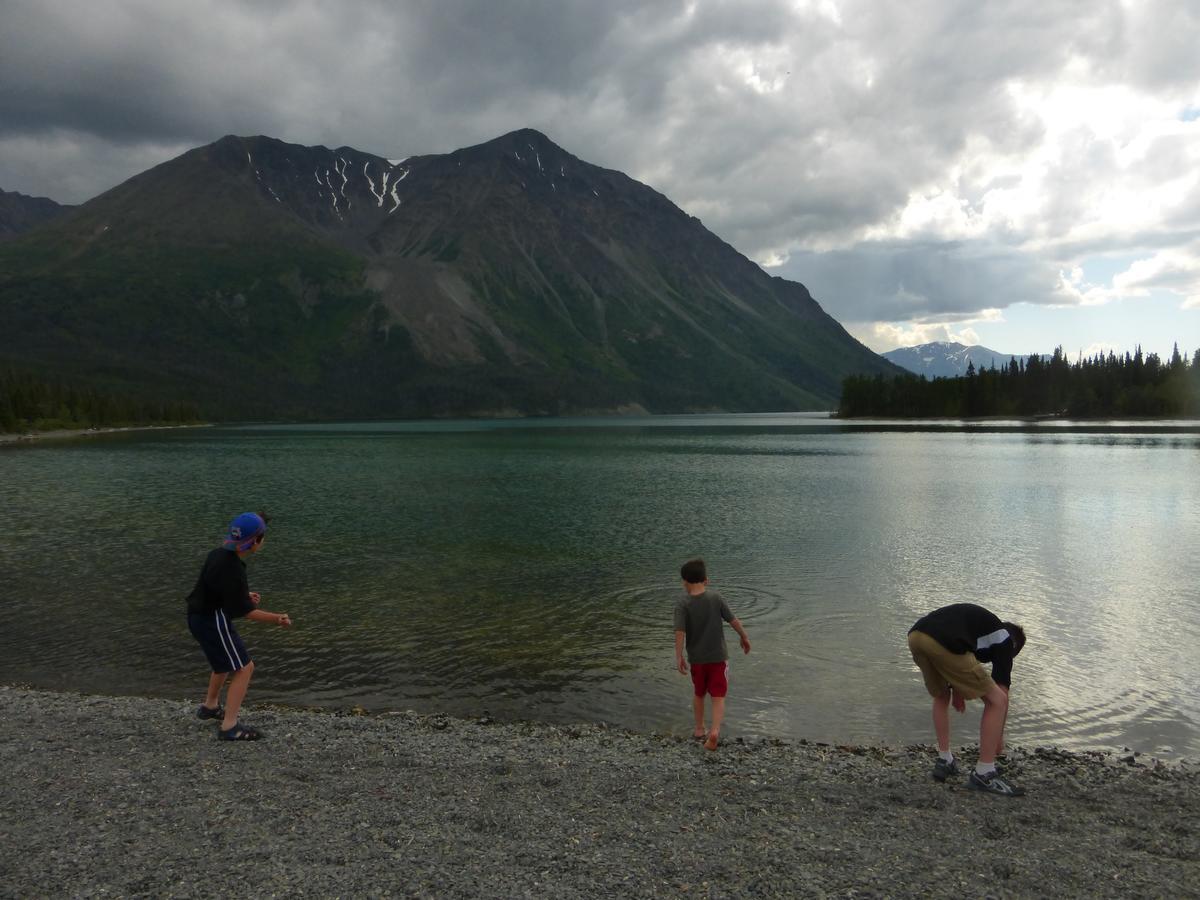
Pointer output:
527, 569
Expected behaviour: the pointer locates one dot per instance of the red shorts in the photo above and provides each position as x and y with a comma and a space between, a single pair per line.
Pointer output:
711, 678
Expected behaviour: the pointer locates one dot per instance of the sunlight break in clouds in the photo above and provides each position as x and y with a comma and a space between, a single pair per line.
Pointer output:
1113, 168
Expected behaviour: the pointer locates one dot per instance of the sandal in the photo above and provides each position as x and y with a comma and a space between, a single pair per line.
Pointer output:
205, 713
239, 732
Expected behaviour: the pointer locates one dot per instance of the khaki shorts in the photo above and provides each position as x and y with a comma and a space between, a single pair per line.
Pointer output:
942, 669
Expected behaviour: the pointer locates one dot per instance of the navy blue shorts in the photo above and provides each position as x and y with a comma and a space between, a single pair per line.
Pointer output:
220, 641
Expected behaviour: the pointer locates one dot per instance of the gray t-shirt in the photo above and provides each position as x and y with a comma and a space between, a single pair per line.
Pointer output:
702, 618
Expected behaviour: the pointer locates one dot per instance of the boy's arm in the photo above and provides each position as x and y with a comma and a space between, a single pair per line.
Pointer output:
1002, 664
680, 663
261, 615
736, 624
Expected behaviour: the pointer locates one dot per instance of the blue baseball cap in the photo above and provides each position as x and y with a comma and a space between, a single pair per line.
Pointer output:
244, 531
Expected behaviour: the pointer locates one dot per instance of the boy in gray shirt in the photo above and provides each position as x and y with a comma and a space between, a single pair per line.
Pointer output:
700, 615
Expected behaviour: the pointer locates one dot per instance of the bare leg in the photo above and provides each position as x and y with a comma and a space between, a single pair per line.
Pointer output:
213, 698
698, 713
718, 715
1003, 725
235, 695
991, 727
941, 720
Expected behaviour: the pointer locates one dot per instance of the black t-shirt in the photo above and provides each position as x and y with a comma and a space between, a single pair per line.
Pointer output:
967, 628
221, 585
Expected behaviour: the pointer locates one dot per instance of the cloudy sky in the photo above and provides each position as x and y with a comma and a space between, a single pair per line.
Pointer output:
1021, 174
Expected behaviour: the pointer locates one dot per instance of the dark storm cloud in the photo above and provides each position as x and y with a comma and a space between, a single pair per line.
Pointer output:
927, 281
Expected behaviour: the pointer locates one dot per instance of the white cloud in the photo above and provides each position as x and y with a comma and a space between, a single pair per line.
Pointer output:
1175, 270
1110, 164
884, 336
1100, 348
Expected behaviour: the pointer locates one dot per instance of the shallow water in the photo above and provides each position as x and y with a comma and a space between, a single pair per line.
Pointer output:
528, 569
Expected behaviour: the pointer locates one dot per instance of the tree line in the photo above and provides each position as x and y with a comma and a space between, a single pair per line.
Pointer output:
31, 403
1109, 385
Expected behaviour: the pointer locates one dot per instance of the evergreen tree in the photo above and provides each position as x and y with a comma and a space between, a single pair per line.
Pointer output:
28, 402
1138, 385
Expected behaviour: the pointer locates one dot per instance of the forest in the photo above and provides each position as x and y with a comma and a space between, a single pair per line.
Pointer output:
1102, 386
32, 403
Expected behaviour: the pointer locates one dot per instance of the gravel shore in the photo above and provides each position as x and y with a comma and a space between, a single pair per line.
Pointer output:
135, 797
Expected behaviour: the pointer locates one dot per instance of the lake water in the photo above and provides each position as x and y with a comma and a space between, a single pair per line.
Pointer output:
528, 569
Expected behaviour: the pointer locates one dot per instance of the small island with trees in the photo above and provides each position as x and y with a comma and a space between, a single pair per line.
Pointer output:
1102, 386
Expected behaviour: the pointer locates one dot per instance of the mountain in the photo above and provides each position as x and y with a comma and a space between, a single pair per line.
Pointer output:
946, 359
19, 213
265, 279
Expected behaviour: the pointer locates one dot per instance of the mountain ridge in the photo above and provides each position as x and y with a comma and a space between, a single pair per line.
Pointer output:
20, 213
506, 276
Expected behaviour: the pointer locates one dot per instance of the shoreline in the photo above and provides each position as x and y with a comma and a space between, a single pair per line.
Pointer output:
130, 795
1128, 425
1060, 422
18, 437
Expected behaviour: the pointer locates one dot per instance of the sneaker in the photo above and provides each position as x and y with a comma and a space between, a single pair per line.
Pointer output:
993, 784
942, 769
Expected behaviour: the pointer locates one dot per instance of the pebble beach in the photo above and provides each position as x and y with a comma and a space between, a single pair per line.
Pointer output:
133, 797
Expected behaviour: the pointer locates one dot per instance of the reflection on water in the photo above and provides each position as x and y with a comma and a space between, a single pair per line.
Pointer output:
529, 569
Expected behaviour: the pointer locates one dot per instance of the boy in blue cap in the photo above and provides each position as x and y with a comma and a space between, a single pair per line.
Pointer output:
221, 594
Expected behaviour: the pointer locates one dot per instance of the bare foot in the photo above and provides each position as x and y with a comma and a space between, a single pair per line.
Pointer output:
711, 743
699, 734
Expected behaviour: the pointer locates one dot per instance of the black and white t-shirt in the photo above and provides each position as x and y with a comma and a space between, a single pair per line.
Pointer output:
967, 628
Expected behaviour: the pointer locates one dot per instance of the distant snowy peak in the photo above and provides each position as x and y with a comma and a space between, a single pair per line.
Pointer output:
946, 359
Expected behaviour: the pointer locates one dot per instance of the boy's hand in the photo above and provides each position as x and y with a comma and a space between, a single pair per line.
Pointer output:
957, 699
255, 598
285, 620
681, 665
745, 644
